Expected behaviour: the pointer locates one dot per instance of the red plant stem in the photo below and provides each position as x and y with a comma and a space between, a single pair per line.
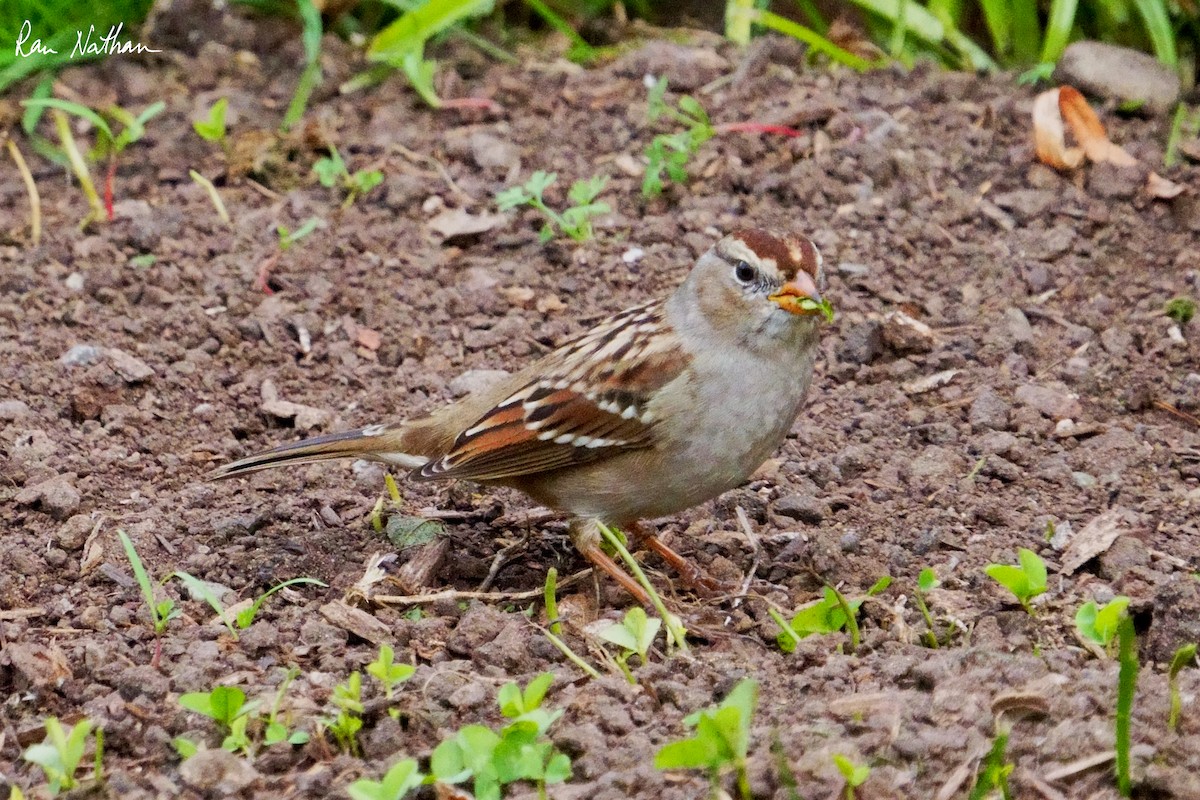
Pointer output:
756, 127
264, 272
108, 187
484, 103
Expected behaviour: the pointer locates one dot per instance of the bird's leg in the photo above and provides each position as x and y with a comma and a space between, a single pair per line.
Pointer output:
692, 576
585, 535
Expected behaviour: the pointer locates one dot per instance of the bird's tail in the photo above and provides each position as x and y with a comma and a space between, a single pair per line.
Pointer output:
374, 442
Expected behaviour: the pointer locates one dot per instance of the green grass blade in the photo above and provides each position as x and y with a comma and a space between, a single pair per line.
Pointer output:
416, 27
72, 108
1126, 688
919, 20
1058, 29
140, 575
1158, 26
816, 21
817, 42
1026, 31
998, 16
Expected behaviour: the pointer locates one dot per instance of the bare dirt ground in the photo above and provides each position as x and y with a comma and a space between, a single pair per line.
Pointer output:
1043, 293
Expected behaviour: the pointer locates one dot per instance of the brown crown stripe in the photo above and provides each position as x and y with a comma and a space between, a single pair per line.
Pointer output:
790, 254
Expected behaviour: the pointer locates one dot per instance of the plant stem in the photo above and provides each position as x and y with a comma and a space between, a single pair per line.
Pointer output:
572, 656
675, 631
78, 166
930, 635
756, 127
35, 200
1126, 688
109, 179
851, 618
551, 601
211, 190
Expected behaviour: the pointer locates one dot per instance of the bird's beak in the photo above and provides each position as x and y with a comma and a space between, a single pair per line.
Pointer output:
799, 288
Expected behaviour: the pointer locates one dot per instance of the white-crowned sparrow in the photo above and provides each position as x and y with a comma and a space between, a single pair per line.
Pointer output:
655, 410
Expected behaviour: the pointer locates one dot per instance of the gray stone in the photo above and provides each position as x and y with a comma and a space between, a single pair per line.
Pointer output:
1116, 341
11, 410
1027, 204
57, 496
491, 151
130, 368
74, 532
863, 343
217, 772
1018, 325
989, 411
1119, 73
81, 355
805, 508
1052, 403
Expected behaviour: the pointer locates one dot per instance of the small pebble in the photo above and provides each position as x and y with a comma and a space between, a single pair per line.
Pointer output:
633, 255
81, 355
74, 282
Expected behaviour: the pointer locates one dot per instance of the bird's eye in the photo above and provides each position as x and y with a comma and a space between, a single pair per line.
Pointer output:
744, 272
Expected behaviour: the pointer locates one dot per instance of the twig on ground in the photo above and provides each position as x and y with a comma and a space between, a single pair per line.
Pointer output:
35, 200
455, 594
752, 538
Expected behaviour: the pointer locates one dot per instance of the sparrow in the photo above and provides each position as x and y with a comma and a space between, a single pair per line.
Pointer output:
655, 410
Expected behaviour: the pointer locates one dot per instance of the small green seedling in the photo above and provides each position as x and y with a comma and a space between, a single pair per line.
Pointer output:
60, 753
345, 725
402, 778
276, 730
1181, 309
676, 633
575, 221
994, 771
389, 674
1183, 656
721, 740
244, 618
1099, 624
212, 127
401, 44
927, 581
332, 172
1026, 580
1127, 676
526, 706
288, 237
161, 612
670, 153
828, 615
634, 635
108, 145
855, 774
520, 752
226, 706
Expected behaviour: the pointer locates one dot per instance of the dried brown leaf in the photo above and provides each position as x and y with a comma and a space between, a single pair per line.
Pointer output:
1162, 189
1088, 130
1049, 134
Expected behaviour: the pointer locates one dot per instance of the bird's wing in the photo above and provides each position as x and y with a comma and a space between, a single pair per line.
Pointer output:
591, 398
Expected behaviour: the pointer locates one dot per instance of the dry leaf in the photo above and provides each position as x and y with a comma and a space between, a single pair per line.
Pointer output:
458, 222
1058, 109
1096, 537
1162, 189
1049, 134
